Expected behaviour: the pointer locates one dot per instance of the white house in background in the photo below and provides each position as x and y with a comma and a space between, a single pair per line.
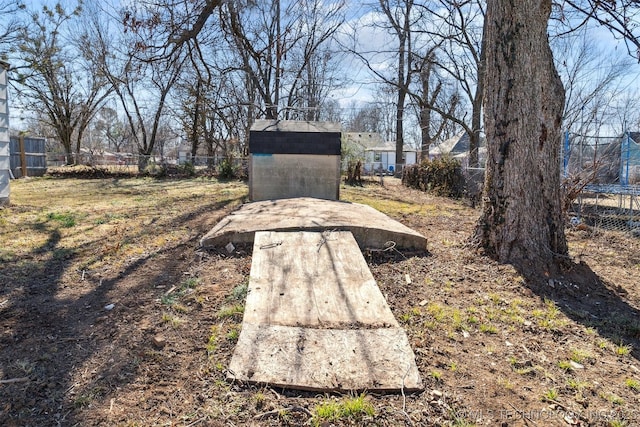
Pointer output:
378, 155
383, 157
458, 148
354, 144
5, 155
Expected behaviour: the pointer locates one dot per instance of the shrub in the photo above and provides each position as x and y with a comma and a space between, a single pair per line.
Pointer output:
226, 169
187, 168
442, 177
155, 170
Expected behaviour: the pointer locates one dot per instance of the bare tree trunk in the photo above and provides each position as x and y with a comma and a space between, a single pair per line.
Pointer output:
399, 16
195, 136
521, 221
476, 117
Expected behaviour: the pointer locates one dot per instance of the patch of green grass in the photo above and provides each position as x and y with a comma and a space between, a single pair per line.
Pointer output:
623, 350
233, 334
168, 299
66, 219
171, 320
552, 308
239, 293
537, 313
436, 311
549, 324
189, 283
180, 308
576, 384
352, 409
230, 311
259, 399
82, 401
618, 423
615, 399
459, 420
633, 384
506, 383
457, 320
527, 370
551, 395
495, 299
436, 375
411, 314
488, 329
212, 342
579, 356
185, 287
548, 318
565, 365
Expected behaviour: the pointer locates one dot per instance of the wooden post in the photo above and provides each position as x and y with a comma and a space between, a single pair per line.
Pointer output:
23, 157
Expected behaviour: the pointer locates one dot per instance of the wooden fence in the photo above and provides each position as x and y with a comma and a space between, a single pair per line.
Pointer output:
28, 156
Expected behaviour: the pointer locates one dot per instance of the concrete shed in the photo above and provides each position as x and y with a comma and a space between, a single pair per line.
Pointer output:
5, 164
290, 159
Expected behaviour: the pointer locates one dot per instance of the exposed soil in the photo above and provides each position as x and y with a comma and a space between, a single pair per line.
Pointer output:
144, 339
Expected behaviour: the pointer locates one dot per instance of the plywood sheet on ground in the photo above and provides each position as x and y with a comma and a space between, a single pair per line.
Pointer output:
325, 359
371, 228
318, 280
316, 320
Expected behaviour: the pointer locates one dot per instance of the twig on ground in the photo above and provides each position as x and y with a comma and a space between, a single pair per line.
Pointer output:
278, 411
325, 238
271, 245
526, 418
198, 421
15, 380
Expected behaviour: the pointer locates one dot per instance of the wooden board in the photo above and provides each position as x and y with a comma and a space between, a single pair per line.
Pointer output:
325, 359
319, 280
315, 319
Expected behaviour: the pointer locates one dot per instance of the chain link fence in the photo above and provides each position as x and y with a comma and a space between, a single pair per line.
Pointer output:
602, 180
129, 162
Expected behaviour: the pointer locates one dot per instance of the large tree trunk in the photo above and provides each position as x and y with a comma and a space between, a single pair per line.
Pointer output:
521, 221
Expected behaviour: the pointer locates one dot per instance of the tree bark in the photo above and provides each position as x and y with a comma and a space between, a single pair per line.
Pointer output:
521, 221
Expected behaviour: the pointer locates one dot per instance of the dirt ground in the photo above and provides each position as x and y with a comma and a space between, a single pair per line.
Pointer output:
111, 315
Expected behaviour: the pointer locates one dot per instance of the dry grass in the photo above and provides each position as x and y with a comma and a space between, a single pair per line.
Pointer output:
491, 348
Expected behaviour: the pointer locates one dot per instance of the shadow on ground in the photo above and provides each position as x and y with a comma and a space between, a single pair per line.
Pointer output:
53, 330
587, 299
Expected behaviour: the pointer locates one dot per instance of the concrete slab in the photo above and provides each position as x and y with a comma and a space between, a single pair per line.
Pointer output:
371, 228
316, 320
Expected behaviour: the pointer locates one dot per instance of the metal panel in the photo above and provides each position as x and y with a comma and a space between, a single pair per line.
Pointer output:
4, 185
4, 138
283, 176
294, 143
